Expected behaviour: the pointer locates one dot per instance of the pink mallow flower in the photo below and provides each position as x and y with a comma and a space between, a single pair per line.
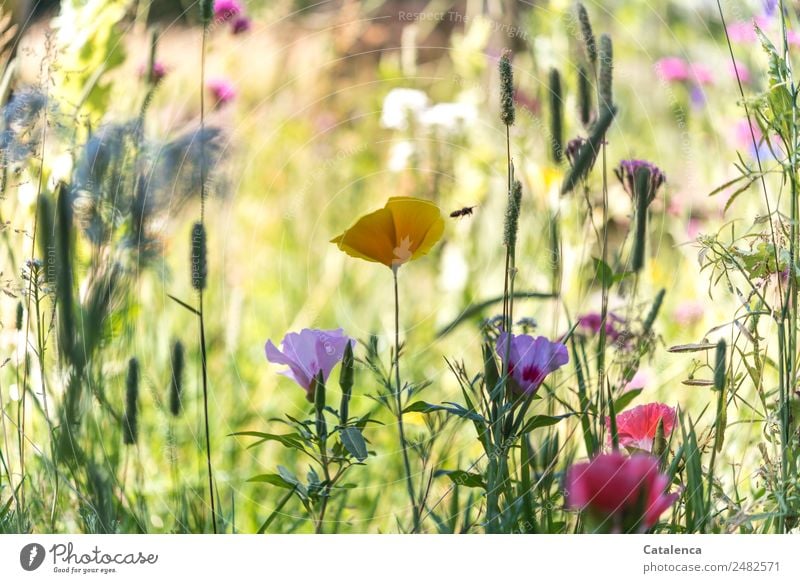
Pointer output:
224, 10
637, 427
307, 353
619, 493
530, 359
673, 69
222, 90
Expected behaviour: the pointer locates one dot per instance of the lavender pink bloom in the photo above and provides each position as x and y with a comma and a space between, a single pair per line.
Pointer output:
636, 428
530, 359
222, 90
621, 493
307, 353
159, 71
626, 173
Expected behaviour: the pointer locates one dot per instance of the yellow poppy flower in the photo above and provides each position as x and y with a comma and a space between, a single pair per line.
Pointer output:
405, 229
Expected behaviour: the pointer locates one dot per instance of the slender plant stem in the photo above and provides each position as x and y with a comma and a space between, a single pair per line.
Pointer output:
399, 397
201, 317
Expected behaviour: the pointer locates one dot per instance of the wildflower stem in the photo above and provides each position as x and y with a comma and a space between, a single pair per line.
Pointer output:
399, 397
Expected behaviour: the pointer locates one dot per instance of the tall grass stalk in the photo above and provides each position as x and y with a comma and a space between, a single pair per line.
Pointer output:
207, 11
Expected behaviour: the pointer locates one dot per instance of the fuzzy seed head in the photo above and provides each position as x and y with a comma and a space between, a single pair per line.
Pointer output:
507, 113
199, 257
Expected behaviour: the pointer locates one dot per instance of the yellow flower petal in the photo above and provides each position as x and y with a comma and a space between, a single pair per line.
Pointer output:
371, 238
418, 226
405, 229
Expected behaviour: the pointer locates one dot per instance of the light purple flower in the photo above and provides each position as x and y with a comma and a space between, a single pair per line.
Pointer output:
241, 24
308, 352
531, 359
222, 90
224, 10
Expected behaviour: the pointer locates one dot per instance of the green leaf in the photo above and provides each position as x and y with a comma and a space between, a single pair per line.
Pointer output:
290, 440
274, 479
537, 421
625, 399
602, 272
353, 442
453, 409
462, 478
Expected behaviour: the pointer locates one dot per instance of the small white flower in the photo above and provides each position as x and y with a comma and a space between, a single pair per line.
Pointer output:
400, 105
449, 116
400, 155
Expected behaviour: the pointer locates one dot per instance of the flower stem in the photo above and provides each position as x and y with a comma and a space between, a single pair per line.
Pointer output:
399, 397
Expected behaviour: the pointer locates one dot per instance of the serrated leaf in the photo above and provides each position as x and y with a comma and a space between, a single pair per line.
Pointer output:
354, 443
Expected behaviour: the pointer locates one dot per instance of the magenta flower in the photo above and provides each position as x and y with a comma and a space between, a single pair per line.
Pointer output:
241, 24
619, 493
673, 69
222, 90
308, 353
530, 359
637, 428
744, 31
701, 74
224, 10
159, 71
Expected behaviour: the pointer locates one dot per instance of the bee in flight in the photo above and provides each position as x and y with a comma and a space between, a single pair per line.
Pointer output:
463, 212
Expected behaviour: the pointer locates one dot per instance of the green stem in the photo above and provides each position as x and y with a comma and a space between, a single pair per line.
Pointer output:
399, 398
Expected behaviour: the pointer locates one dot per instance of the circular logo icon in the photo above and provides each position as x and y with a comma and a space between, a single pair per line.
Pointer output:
31, 556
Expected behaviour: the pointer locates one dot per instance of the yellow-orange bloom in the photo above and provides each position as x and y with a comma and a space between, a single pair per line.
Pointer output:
405, 229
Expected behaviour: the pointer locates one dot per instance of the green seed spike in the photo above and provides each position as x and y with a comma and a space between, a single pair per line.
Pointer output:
584, 97
588, 151
207, 8
507, 113
177, 362
130, 430
20, 314
199, 257
720, 366
660, 440
346, 374
512, 216
556, 117
641, 189
589, 43
606, 72
318, 384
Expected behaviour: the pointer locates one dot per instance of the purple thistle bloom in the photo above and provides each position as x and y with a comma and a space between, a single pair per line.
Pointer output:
224, 10
626, 173
308, 353
531, 359
241, 24
222, 90
591, 322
